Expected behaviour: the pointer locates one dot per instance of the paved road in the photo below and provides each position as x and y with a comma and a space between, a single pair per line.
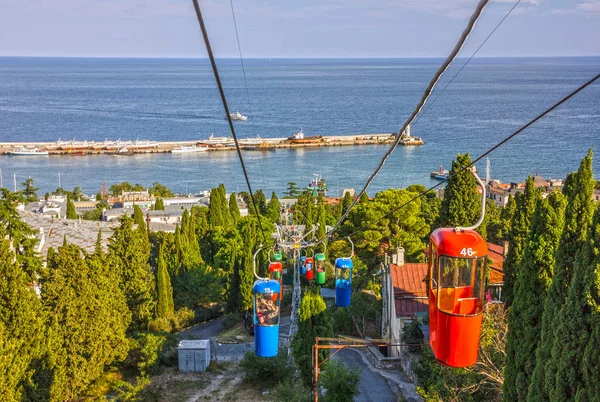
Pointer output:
206, 330
373, 387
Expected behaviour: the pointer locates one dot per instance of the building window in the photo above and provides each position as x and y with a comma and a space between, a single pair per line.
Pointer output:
495, 293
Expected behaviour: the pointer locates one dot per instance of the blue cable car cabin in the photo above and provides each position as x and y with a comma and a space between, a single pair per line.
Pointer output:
343, 281
266, 317
303, 265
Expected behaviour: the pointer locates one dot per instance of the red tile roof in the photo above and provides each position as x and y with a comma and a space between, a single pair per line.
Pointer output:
410, 288
496, 254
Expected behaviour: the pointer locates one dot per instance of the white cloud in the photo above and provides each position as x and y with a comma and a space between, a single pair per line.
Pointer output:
590, 7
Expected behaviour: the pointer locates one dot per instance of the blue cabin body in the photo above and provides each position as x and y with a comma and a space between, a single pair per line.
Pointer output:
343, 281
303, 265
266, 317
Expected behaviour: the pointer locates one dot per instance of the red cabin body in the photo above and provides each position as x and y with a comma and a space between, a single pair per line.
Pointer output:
310, 268
276, 273
457, 264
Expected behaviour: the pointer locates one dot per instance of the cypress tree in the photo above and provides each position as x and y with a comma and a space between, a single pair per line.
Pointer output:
364, 197
227, 219
138, 216
506, 217
535, 276
591, 357
322, 228
346, 201
159, 205
261, 201
165, 308
314, 321
578, 216
129, 255
87, 321
246, 271
215, 212
273, 208
71, 213
234, 209
461, 204
572, 325
21, 327
525, 206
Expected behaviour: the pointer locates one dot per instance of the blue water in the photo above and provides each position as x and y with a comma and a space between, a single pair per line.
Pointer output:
44, 99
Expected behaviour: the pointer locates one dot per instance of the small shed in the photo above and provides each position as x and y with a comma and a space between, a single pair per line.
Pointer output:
194, 355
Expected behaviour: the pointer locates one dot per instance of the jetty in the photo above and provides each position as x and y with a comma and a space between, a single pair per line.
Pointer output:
81, 148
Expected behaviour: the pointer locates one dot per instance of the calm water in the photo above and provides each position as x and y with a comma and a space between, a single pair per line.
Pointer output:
45, 99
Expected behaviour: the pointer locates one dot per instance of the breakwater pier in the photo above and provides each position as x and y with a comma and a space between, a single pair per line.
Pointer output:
82, 147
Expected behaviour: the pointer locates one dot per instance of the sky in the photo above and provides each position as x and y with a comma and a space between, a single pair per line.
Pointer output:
300, 28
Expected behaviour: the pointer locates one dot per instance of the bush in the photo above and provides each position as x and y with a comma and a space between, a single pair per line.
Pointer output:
230, 319
412, 335
342, 323
340, 382
144, 352
183, 318
291, 390
266, 371
160, 325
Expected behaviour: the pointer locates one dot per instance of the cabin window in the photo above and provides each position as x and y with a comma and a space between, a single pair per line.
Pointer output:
461, 284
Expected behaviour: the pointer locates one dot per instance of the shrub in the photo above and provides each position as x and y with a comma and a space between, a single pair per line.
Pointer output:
412, 335
291, 390
183, 318
145, 351
340, 382
230, 319
160, 325
266, 371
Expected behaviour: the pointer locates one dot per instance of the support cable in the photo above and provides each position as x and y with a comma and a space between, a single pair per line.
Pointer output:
489, 151
467, 62
463, 38
226, 107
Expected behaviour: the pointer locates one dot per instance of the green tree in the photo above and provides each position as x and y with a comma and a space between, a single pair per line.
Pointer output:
165, 308
159, 205
215, 209
341, 382
160, 190
525, 205
71, 213
21, 327
129, 255
273, 208
535, 275
364, 198
29, 190
314, 320
234, 209
248, 232
77, 193
578, 217
346, 201
261, 201
87, 321
138, 216
573, 325
498, 231
292, 190
462, 204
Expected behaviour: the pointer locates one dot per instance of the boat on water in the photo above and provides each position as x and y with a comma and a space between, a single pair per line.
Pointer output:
252, 141
72, 145
264, 146
217, 141
300, 138
28, 152
441, 174
238, 116
188, 149
142, 144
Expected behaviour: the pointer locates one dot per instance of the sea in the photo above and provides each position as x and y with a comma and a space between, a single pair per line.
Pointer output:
46, 99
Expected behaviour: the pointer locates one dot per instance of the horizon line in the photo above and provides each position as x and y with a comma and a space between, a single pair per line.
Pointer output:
295, 58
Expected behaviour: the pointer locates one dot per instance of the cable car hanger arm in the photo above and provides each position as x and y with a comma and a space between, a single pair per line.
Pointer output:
482, 216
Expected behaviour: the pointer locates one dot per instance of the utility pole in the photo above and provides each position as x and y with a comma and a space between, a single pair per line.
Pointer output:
59, 185
15, 182
1, 178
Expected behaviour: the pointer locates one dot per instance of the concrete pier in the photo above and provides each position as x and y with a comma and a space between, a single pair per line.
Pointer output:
162, 147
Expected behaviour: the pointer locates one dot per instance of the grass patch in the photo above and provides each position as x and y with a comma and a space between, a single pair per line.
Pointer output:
235, 334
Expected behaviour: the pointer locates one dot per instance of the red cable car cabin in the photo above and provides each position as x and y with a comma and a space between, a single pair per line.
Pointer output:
276, 273
457, 264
